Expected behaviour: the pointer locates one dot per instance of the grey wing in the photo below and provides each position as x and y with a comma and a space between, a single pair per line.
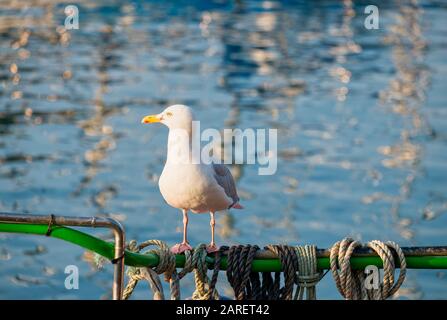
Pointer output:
225, 179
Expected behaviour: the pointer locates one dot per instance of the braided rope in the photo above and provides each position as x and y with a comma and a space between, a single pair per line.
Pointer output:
248, 285
203, 289
239, 274
166, 266
195, 260
351, 283
403, 267
299, 267
289, 263
212, 286
308, 275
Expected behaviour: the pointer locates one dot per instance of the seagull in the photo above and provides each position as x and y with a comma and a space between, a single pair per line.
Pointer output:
187, 183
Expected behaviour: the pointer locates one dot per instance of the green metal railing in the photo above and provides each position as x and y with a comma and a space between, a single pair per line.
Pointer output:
416, 257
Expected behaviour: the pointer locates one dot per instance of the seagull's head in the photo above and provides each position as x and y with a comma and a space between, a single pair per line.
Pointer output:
174, 117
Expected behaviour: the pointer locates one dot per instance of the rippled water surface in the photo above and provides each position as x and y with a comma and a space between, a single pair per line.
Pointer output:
361, 118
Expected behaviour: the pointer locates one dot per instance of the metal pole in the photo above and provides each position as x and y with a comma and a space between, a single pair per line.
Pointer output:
368, 252
92, 222
265, 261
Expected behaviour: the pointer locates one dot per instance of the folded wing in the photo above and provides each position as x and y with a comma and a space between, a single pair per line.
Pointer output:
225, 179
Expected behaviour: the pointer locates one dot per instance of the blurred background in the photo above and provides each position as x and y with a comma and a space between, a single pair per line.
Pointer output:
361, 117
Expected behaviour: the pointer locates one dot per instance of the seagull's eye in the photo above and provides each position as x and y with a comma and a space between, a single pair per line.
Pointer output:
169, 114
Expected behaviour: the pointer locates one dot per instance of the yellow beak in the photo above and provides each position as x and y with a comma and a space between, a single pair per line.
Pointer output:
151, 119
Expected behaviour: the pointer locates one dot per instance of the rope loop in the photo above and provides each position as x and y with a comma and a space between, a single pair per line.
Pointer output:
298, 265
195, 260
351, 283
204, 290
245, 283
308, 275
51, 223
166, 266
289, 263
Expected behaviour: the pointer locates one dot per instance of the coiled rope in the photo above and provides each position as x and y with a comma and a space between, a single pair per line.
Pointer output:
351, 283
166, 266
246, 284
300, 274
205, 290
195, 260
299, 269
308, 275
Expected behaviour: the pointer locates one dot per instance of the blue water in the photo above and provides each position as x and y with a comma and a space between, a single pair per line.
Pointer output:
360, 114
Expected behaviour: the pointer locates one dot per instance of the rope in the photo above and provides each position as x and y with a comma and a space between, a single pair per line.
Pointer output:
212, 286
289, 264
239, 275
204, 291
51, 223
166, 266
351, 283
195, 260
298, 267
308, 275
342, 252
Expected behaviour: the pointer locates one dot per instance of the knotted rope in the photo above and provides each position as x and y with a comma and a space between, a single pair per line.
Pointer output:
351, 283
239, 275
166, 266
299, 267
194, 260
205, 290
289, 264
308, 274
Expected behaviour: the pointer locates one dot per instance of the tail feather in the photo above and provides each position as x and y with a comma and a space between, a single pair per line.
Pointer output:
237, 205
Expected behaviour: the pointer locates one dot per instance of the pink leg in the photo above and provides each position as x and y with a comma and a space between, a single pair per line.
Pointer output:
182, 247
212, 246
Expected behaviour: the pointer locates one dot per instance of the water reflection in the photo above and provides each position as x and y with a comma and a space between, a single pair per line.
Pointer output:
95, 127
405, 97
345, 46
